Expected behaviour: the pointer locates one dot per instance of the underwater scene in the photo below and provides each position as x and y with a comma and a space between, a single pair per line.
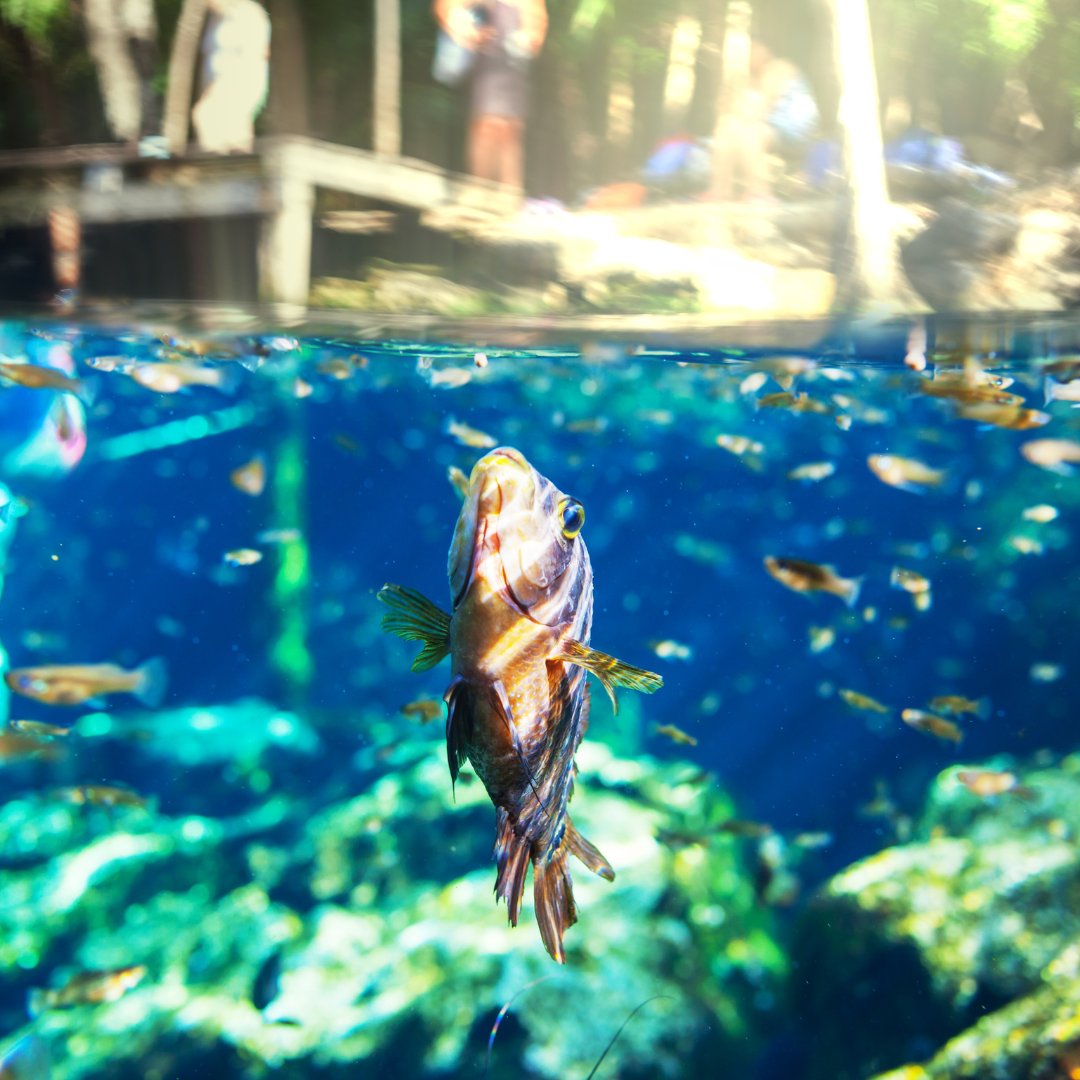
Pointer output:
312, 643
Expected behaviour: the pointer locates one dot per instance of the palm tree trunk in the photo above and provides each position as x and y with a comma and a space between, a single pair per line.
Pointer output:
287, 110
185, 49
388, 78
117, 77
870, 272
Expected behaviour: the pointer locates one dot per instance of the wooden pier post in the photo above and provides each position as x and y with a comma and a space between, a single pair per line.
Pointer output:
285, 240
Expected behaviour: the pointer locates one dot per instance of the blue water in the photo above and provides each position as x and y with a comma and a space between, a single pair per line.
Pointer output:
121, 558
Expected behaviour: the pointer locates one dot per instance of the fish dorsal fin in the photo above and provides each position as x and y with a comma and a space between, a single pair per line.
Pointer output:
414, 617
610, 671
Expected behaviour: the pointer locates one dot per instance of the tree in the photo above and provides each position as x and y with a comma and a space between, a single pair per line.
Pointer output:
116, 72
870, 273
185, 48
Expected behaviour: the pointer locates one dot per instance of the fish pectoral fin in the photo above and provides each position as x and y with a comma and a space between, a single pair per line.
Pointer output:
414, 617
611, 671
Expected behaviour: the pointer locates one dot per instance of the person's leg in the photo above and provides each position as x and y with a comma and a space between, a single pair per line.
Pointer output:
484, 147
512, 152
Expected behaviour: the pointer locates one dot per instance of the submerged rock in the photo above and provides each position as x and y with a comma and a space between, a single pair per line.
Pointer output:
909, 947
309, 941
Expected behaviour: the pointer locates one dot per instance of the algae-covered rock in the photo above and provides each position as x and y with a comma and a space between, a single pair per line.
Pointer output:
303, 940
910, 946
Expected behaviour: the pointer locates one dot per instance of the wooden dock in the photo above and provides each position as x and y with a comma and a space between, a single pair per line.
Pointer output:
109, 184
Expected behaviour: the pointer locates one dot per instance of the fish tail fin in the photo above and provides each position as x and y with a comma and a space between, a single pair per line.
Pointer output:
851, 590
553, 898
153, 681
587, 853
512, 855
1049, 390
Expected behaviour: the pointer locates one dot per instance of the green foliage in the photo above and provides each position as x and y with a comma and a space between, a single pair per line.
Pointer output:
34, 17
1015, 26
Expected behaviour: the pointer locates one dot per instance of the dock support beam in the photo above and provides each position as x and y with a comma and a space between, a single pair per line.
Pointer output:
285, 242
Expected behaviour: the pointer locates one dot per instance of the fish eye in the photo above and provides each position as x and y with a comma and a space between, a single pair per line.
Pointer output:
571, 516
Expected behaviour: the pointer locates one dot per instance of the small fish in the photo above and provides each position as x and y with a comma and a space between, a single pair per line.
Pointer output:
121, 364
279, 536
805, 576
913, 583
469, 436
812, 472
680, 838
740, 445
753, 383
73, 684
671, 650
87, 988
589, 425
424, 709
39, 729
301, 388
171, 378
675, 734
28, 1059
794, 402
784, 369
986, 783
517, 704
336, 367
959, 389
1045, 672
1042, 514
958, 705
99, 795
907, 474
42, 377
1055, 455
458, 480
1012, 417
242, 557
862, 702
932, 724
23, 747
1058, 391
812, 841
822, 638
250, 478
1026, 545
449, 378
1065, 369
745, 830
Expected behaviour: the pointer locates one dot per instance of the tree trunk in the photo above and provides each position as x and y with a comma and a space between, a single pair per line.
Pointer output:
117, 77
868, 274
185, 49
388, 78
287, 111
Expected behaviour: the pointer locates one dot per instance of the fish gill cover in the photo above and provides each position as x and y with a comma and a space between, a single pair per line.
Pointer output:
229, 842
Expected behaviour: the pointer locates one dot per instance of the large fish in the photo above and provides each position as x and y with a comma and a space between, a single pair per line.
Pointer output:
517, 703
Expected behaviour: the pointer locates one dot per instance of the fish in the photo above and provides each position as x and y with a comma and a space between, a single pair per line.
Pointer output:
121, 364
906, 474
242, 557
821, 638
675, 734
171, 378
745, 830
336, 367
87, 988
449, 378
812, 472
882, 806
517, 705
987, 783
287, 535
957, 388
794, 402
863, 702
250, 478
803, 576
743, 447
99, 795
424, 709
458, 480
469, 436
1026, 545
74, 684
784, 369
958, 705
1054, 455
1045, 672
671, 650
28, 1059
812, 841
23, 746
932, 724
1041, 514
1060, 391
913, 583
1012, 417
43, 377
39, 728
679, 838
301, 388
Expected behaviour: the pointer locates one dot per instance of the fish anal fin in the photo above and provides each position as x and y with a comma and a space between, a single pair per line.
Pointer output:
414, 617
553, 899
611, 671
587, 853
512, 856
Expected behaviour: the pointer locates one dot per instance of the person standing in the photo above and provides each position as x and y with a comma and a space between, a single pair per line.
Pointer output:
504, 35
236, 76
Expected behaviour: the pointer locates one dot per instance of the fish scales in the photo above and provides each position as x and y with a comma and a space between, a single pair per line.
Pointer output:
518, 703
